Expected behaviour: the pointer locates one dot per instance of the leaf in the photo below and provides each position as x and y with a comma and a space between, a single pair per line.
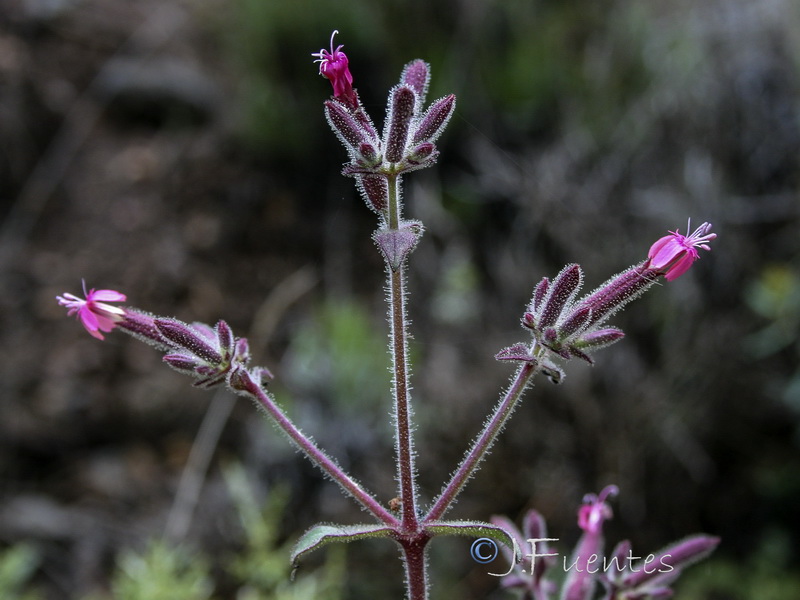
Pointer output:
519, 352
322, 535
476, 529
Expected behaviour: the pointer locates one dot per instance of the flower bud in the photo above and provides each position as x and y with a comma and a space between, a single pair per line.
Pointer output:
368, 156
402, 106
189, 338
224, 338
539, 293
182, 362
350, 132
435, 119
425, 152
576, 321
375, 190
599, 338
560, 294
666, 565
416, 75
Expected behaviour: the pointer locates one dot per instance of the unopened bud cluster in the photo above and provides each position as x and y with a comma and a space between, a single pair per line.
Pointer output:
409, 132
571, 328
568, 328
212, 355
563, 327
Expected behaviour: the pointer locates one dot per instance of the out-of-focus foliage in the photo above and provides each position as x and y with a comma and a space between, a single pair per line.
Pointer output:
775, 297
161, 572
340, 356
261, 566
767, 575
258, 570
17, 564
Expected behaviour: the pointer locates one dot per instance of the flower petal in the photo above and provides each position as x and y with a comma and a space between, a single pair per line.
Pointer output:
106, 296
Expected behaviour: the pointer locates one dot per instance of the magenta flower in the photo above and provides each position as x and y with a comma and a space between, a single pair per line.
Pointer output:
673, 254
595, 510
333, 66
93, 312
583, 569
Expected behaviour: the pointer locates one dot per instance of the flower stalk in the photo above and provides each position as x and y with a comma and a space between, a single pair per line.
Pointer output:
484, 441
252, 388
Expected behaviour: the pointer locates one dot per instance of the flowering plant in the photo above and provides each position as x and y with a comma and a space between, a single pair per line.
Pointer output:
561, 325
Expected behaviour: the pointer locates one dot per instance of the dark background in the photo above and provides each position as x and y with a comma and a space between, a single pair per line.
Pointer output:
177, 151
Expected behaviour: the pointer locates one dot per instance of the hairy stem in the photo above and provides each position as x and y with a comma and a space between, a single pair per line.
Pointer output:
317, 456
399, 345
405, 445
416, 568
483, 442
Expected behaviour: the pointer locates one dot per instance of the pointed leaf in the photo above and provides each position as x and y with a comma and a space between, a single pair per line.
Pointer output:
476, 529
519, 352
322, 535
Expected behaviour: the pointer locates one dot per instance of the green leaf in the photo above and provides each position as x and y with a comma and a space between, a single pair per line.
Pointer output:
322, 535
475, 529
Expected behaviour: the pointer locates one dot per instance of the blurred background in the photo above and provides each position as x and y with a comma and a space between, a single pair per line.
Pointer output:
177, 151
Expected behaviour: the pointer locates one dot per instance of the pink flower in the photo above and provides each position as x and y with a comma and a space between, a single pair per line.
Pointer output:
93, 312
673, 254
333, 66
595, 510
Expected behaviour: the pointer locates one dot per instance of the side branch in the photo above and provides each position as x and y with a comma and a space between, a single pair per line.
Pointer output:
316, 455
482, 444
